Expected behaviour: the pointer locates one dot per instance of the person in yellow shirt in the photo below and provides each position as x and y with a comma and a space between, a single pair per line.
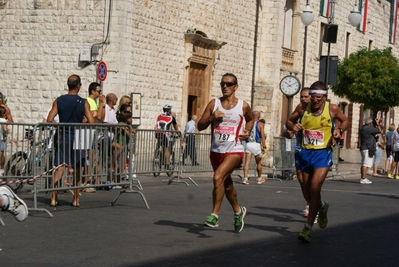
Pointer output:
318, 136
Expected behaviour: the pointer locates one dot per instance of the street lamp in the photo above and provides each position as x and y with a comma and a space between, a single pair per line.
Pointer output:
306, 18
355, 17
307, 15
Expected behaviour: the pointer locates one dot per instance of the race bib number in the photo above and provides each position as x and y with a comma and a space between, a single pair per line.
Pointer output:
314, 138
225, 133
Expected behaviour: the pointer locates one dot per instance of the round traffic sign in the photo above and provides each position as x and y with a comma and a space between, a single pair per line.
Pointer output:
102, 71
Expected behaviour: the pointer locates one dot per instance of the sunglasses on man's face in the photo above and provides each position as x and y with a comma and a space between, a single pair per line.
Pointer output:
228, 84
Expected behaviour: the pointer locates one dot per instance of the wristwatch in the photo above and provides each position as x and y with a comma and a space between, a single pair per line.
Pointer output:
341, 131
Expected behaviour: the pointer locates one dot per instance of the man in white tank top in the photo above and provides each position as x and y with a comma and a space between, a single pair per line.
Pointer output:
227, 116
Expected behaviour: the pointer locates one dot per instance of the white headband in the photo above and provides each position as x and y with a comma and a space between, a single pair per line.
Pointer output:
322, 92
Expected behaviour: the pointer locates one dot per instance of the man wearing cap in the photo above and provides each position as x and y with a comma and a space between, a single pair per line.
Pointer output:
318, 137
367, 148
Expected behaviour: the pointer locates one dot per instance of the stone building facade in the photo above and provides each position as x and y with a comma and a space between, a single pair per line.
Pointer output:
173, 52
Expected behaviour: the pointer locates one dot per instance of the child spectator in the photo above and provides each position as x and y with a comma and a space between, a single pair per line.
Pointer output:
122, 135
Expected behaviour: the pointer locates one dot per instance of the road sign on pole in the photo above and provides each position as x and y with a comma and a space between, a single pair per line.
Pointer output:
102, 71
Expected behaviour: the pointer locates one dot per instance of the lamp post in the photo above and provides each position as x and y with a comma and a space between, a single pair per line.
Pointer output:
307, 17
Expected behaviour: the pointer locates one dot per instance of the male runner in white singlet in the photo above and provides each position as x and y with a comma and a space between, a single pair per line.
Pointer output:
227, 116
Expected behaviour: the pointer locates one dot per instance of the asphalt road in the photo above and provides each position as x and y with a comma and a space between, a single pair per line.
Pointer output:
362, 230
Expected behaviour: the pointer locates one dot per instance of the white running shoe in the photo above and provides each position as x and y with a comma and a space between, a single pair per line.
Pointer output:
365, 181
260, 180
245, 181
16, 206
317, 217
305, 212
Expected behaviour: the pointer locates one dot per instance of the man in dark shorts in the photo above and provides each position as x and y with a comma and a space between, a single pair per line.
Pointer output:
71, 108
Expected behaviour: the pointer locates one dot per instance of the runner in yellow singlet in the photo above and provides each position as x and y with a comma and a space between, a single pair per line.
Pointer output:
316, 124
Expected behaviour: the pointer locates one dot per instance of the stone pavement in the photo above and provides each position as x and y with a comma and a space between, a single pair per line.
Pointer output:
362, 228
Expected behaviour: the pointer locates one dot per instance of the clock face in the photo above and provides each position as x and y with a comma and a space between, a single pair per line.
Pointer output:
290, 85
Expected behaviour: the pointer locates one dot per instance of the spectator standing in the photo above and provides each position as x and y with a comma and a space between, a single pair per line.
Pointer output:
226, 116
253, 147
380, 146
125, 99
367, 148
8, 118
123, 136
318, 134
3, 102
3, 138
71, 108
95, 93
189, 135
110, 118
395, 152
388, 148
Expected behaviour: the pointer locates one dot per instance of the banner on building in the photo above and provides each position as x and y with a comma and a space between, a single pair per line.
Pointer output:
325, 8
363, 4
394, 21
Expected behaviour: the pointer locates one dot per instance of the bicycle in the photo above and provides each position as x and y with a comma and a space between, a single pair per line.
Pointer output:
158, 162
21, 164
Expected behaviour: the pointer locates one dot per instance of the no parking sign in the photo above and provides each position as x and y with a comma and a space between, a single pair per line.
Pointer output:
102, 71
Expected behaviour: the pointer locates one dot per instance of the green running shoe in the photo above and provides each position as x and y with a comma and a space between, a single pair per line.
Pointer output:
323, 220
211, 221
239, 220
305, 235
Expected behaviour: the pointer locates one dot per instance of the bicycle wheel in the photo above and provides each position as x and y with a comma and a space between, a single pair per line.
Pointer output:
171, 165
17, 165
156, 163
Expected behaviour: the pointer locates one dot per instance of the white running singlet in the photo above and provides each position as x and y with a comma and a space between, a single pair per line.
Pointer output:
225, 133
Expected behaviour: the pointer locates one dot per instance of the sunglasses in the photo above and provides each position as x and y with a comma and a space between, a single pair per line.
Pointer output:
99, 91
222, 84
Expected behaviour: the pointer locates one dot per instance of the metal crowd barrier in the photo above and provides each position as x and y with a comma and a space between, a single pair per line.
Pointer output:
334, 169
149, 158
32, 148
283, 157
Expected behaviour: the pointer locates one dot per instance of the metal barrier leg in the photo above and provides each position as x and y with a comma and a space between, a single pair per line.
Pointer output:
131, 190
179, 177
35, 208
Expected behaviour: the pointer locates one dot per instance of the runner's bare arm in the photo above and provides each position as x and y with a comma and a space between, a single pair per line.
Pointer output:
249, 121
337, 114
206, 118
292, 123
